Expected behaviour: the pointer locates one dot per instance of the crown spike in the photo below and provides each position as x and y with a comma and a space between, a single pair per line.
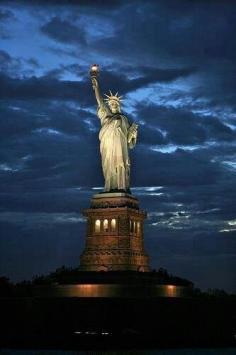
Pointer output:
115, 97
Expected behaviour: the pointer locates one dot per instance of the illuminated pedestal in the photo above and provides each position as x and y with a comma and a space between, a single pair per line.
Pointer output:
114, 240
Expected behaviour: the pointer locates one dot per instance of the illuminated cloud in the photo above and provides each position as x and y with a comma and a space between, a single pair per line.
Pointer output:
230, 226
40, 220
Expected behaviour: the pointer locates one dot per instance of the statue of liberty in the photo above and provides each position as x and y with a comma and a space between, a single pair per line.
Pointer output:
116, 137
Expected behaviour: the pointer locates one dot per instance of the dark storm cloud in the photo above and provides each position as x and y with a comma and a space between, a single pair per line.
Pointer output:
16, 66
181, 29
33, 62
200, 29
56, 121
47, 145
83, 3
150, 135
5, 17
183, 126
20, 118
172, 169
8, 64
15, 123
5, 14
5, 58
181, 33
218, 85
49, 87
44, 88
148, 76
63, 31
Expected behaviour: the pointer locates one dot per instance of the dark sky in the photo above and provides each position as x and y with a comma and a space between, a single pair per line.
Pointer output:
175, 63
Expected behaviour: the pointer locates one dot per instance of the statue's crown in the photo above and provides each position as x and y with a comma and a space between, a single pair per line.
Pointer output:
115, 97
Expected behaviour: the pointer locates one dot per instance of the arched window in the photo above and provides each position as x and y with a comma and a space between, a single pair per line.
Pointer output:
131, 224
105, 225
97, 226
113, 225
138, 228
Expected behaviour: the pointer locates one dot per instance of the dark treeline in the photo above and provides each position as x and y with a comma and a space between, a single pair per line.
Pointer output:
69, 275
201, 319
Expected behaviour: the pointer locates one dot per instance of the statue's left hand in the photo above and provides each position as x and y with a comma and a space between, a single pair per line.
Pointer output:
133, 129
132, 133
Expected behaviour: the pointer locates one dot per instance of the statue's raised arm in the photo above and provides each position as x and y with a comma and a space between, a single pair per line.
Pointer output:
95, 84
116, 137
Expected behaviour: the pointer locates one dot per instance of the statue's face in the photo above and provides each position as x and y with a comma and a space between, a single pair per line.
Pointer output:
114, 106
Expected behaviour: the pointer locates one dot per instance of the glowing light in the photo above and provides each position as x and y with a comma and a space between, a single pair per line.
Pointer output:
94, 69
97, 225
105, 225
171, 290
138, 228
113, 225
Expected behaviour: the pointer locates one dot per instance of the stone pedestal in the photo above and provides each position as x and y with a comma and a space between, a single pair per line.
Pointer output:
114, 240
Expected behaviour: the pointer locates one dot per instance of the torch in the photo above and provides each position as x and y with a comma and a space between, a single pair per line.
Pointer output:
94, 74
94, 70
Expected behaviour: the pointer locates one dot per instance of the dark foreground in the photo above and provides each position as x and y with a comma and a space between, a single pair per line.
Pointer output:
116, 323
186, 351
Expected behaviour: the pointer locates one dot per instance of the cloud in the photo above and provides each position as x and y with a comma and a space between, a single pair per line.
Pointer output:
42, 145
44, 88
6, 14
5, 58
49, 87
181, 126
148, 75
16, 66
63, 31
40, 220
167, 32
82, 3
5, 17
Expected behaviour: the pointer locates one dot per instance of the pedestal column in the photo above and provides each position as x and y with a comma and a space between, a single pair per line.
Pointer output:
114, 240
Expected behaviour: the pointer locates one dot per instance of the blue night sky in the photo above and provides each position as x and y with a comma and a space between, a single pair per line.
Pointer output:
174, 62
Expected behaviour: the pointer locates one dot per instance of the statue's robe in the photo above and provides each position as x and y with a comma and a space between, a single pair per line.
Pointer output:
114, 146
